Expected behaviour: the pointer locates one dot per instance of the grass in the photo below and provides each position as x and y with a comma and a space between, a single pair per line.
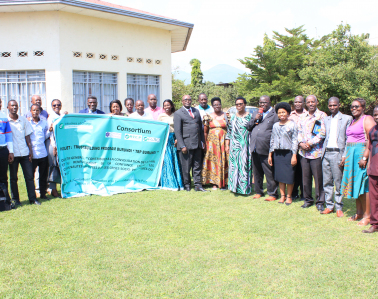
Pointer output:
162, 244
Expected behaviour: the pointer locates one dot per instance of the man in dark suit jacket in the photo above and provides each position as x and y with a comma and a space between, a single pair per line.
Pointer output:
92, 106
190, 142
261, 125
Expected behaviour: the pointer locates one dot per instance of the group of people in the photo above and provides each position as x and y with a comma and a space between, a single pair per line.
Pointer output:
230, 152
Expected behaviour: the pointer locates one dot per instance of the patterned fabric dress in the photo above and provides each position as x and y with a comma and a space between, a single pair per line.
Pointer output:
240, 160
171, 171
215, 162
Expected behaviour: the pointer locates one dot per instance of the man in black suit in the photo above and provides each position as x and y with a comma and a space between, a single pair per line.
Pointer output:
261, 125
190, 142
92, 106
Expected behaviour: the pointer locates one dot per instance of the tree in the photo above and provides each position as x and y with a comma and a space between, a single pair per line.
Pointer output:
345, 66
196, 74
275, 66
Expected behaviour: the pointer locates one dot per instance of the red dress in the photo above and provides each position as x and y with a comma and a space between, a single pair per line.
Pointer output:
215, 162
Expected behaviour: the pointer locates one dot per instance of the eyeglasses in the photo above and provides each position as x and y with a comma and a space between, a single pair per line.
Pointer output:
239, 104
354, 107
57, 105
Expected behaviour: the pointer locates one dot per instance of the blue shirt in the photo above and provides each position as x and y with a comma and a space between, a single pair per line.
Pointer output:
6, 138
43, 115
40, 134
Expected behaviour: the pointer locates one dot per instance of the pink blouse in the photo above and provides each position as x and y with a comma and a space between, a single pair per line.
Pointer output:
356, 132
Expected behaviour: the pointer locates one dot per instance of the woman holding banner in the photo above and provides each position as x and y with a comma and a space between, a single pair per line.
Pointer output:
171, 178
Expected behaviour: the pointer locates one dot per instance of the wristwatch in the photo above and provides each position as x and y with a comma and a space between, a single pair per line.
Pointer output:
364, 158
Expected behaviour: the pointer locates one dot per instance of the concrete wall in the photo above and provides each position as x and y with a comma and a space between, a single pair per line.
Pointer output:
59, 34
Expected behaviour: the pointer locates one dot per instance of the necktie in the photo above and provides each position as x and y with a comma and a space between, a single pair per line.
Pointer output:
191, 114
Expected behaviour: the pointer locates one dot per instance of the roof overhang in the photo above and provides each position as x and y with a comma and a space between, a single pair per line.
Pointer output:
180, 31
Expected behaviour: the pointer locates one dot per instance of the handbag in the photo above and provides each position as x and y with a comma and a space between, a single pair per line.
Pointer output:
54, 173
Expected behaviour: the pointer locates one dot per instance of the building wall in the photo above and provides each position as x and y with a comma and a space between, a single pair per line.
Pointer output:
59, 34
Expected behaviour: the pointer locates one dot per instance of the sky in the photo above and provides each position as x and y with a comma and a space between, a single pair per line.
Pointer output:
225, 31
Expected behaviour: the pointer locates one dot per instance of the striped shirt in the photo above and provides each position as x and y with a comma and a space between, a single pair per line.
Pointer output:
6, 138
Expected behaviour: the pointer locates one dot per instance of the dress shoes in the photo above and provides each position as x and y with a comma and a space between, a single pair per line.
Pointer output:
306, 205
36, 203
256, 196
371, 230
326, 211
200, 189
44, 197
339, 213
320, 207
17, 203
271, 198
187, 189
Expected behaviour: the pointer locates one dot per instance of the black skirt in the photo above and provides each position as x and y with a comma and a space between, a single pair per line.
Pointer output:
283, 171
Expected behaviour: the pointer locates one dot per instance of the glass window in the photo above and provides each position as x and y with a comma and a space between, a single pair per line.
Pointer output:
21, 86
101, 85
140, 86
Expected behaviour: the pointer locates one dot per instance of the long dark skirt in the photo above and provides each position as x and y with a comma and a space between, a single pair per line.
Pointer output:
283, 171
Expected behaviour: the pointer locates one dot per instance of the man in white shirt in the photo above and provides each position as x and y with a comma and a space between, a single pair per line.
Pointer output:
23, 154
334, 155
203, 107
38, 138
140, 113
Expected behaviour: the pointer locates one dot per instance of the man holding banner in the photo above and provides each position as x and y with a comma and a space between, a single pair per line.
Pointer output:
190, 142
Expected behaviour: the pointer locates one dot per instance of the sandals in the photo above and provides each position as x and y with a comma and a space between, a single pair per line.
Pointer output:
282, 200
289, 203
355, 217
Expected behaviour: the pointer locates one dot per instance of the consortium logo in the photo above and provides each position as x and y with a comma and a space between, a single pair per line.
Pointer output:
61, 126
151, 139
133, 130
113, 135
133, 137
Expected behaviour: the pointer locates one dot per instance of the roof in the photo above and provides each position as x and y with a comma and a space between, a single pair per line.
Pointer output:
180, 31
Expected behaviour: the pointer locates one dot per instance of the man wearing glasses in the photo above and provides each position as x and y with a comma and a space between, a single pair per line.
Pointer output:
261, 125
190, 142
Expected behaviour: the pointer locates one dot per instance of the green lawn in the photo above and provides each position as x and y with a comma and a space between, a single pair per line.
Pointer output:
166, 244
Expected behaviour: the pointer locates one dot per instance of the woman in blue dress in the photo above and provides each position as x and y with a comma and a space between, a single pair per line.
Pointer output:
171, 178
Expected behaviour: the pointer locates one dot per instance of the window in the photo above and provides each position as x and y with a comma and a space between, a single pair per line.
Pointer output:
130, 59
6, 54
157, 61
140, 60
101, 85
102, 56
149, 60
140, 86
22, 54
90, 55
39, 53
77, 54
21, 86
115, 57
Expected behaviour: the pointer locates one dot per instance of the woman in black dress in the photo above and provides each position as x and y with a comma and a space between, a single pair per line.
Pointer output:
283, 151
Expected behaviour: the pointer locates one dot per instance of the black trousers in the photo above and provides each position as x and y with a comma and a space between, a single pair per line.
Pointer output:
4, 165
298, 181
191, 160
260, 168
43, 166
313, 168
27, 169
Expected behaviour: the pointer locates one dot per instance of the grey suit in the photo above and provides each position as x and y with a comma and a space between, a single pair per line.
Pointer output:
332, 173
189, 134
259, 144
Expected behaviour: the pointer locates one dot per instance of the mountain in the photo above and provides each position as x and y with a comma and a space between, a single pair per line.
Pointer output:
221, 73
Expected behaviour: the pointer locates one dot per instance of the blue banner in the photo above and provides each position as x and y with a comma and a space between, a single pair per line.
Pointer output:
105, 154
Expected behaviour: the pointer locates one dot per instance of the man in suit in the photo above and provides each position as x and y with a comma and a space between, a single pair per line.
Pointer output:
334, 156
92, 106
190, 142
261, 125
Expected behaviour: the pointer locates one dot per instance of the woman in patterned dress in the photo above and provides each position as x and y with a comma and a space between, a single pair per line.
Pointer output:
237, 145
171, 172
215, 162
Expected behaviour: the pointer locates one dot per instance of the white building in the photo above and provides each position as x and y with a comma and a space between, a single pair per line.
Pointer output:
70, 49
